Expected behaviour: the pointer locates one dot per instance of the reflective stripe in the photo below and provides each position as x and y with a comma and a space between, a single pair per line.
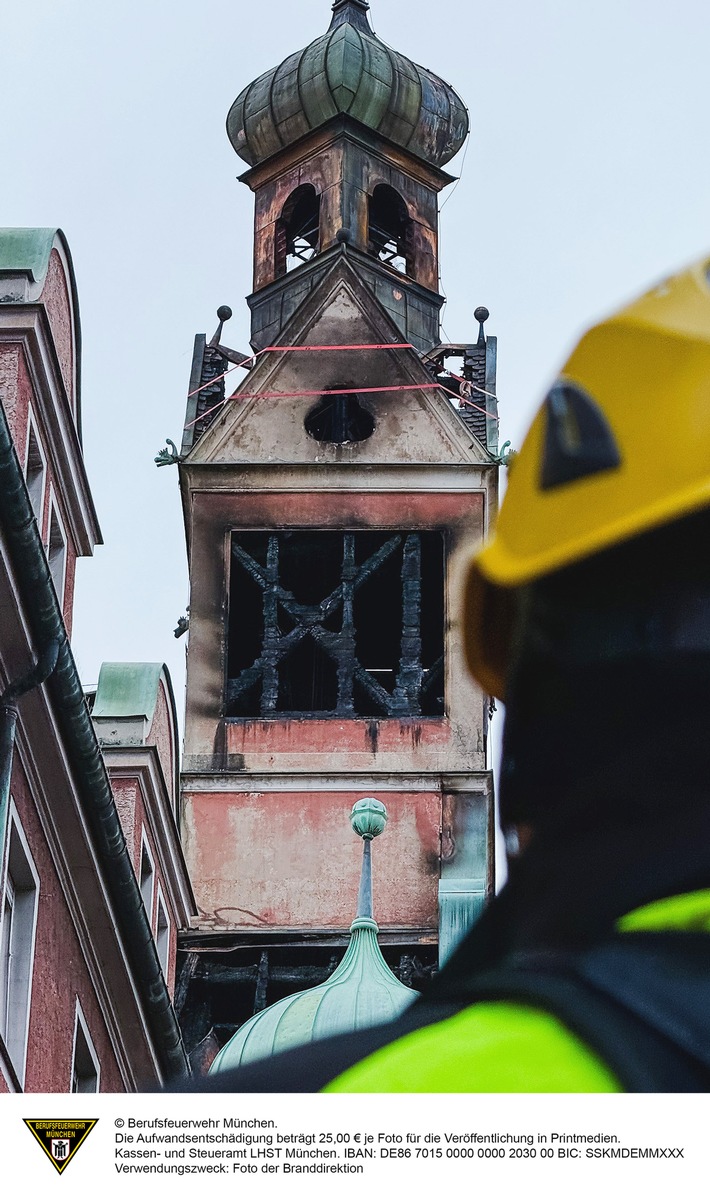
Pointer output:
493, 1047
687, 912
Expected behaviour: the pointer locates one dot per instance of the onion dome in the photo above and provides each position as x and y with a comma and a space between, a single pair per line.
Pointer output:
348, 71
362, 992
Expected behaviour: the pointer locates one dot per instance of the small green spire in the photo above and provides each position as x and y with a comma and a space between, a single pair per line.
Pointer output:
368, 819
351, 12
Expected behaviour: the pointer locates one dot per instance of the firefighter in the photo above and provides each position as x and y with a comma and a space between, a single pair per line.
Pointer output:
589, 615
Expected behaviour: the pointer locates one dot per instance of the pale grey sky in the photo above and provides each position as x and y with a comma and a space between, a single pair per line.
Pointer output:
586, 177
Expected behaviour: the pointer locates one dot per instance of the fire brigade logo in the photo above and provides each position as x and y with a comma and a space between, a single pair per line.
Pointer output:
60, 1139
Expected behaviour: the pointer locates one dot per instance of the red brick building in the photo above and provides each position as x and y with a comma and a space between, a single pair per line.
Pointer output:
92, 885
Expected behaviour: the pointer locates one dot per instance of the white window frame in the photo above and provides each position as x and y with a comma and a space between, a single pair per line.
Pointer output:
142, 881
82, 1033
20, 883
162, 933
36, 490
58, 579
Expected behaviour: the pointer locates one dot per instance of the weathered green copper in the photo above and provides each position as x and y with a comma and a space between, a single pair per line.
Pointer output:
25, 255
348, 71
127, 691
26, 250
361, 992
168, 455
368, 818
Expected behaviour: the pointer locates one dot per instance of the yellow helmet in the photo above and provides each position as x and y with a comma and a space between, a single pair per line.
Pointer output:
620, 444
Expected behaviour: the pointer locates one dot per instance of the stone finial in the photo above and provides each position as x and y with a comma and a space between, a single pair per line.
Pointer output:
223, 314
481, 314
368, 818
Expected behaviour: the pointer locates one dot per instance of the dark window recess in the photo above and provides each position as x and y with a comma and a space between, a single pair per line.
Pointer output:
297, 229
339, 419
390, 230
336, 624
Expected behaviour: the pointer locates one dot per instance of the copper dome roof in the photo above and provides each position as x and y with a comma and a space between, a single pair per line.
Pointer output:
348, 70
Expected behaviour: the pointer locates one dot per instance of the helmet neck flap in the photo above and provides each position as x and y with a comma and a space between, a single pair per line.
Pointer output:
605, 655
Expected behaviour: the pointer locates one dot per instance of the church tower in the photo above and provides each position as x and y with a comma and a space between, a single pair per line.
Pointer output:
333, 496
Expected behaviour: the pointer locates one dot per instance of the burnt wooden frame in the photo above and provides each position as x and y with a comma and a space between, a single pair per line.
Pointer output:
413, 682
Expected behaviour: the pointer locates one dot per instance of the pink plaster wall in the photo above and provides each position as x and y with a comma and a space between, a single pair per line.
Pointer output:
324, 510
18, 398
131, 806
12, 402
161, 736
55, 298
292, 860
300, 738
60, 974
69, 582
125, 791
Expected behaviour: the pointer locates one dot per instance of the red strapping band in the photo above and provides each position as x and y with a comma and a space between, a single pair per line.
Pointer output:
367, 346
263, 396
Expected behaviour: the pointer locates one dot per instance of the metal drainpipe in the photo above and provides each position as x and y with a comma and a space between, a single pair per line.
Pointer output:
42, 670
29, 563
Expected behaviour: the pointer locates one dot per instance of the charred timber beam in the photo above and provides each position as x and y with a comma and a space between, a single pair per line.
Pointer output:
409, 679
271, 655
260, 976
262, 982
346, 658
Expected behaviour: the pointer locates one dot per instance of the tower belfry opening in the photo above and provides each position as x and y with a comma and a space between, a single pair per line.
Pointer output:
298, 229
389, 229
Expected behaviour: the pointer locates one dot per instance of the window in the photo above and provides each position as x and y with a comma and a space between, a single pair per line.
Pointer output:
162, 934
18, 921
342, 624
86, 1071
297, 230
390, 230
146, 878
57, 554
35, 472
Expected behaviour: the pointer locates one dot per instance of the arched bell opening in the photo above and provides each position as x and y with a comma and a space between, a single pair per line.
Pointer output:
339, 418
298, 230
390, 230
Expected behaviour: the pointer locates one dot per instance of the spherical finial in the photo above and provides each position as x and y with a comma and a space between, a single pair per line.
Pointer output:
368, 818
481, 313
224, 313
343, 235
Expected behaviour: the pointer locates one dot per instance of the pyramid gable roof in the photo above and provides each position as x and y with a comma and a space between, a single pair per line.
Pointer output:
414, 420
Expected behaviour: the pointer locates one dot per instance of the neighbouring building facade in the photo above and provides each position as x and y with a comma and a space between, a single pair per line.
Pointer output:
93, 887
333, 497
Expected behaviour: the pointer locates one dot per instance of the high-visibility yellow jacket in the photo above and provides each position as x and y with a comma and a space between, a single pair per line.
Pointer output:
505, 1047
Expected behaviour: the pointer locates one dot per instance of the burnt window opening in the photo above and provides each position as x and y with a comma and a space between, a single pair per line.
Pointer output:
390, 230
298, 229
336, 624
340, 418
